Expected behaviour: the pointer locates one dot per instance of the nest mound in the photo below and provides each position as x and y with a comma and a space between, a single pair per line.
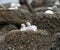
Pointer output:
7, 28
21, 15
29, 40
47, 21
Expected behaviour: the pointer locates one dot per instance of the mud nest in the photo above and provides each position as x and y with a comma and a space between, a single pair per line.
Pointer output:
29, 40
49, 22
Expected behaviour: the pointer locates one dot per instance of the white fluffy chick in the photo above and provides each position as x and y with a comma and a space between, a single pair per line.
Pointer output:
23, 27
18, 5
14, 6
31, 27
49, 12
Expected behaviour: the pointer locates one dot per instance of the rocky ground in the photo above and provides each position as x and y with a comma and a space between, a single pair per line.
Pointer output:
13, 39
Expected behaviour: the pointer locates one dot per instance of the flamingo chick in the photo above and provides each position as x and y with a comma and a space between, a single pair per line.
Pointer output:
23, 27
14, 6
31, 27
49, 12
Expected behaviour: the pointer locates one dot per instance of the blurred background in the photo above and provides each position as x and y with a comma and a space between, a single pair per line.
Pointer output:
8, 1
